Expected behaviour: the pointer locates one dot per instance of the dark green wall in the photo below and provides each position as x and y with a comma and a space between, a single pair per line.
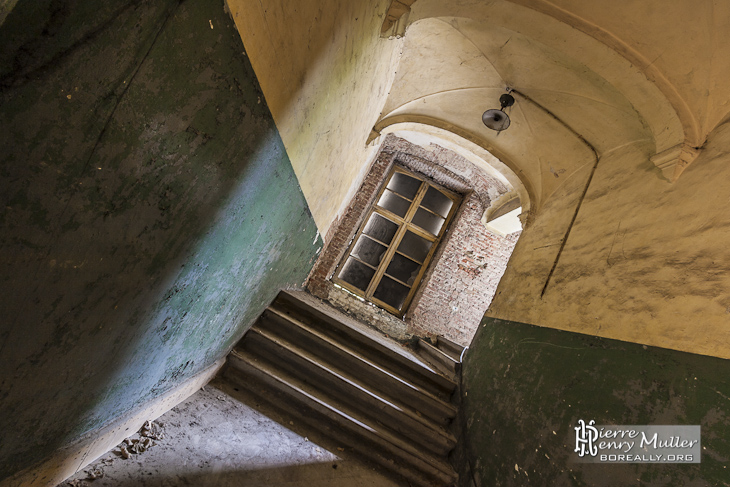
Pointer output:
525, 387
149, 210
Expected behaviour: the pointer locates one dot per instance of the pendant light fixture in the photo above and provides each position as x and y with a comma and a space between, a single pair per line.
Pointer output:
497, 119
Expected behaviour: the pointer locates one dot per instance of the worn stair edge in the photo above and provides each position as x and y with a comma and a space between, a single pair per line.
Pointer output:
335, 382
287, 300
311, 339
267, 374
438, 358
276, 406
453, 350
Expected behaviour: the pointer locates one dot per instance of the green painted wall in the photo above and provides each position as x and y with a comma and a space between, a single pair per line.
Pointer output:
149, 210
525, 387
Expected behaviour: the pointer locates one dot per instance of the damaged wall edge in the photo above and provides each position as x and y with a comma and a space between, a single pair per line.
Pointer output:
72, 458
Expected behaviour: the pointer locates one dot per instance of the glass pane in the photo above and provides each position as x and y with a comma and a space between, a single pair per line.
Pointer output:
369, 251
437, 202
392, 202
403, 269
428, 221
404, 185
380, 228
414, 246
357, 274
391, 292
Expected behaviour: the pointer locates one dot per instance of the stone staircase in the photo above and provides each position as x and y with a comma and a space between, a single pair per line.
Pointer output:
349, 389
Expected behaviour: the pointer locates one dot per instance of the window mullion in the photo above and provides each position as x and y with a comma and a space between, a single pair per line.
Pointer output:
420, 275
385, 261
416, 201
421, 232
396, 241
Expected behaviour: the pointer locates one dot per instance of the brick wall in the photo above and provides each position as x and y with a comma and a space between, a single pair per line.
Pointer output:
344, 229
461, 280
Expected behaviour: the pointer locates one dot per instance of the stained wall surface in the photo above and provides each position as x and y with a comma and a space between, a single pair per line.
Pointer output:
326, 73
149, 210
525, 388
646, 261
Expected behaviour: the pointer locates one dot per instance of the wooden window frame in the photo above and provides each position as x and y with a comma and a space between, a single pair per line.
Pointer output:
404, 224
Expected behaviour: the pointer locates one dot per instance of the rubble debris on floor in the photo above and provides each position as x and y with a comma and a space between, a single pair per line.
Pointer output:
213, 440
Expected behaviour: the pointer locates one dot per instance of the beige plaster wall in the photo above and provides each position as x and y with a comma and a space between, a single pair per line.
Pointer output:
647, 261
325, 72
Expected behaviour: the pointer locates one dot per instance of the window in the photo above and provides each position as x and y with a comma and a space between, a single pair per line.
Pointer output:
391, 251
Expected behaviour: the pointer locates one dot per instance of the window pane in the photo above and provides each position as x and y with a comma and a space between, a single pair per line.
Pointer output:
428, 221
404, 185
391, 292
357, 274
392, 202
403, 269
380, 228
414, 246
437, 202
369, 251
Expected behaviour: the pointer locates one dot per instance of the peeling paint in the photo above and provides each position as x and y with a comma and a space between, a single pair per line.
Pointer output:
147, 220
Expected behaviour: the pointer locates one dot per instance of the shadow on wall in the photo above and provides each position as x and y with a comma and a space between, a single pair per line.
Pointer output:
149, 210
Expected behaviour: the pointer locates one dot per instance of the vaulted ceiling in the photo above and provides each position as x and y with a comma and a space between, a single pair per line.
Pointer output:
588, 78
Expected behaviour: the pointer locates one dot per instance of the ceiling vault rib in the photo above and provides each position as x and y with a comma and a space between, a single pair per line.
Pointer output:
441, 92
557, 119
692, 131
585, 188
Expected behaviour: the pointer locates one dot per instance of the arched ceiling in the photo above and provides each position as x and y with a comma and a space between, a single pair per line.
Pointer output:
587, 80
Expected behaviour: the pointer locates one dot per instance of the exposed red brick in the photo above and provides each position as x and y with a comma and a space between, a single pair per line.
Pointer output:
463, 276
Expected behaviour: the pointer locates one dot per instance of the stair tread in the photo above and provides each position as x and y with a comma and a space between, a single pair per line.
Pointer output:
439, 358
424, 345
305, 422
452, 349
398, 409
344, 348
342, 414
366, 333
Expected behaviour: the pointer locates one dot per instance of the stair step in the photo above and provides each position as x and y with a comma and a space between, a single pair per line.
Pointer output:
245, 370
453, 350
369, 372
360, 337
438, 358
333, 381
